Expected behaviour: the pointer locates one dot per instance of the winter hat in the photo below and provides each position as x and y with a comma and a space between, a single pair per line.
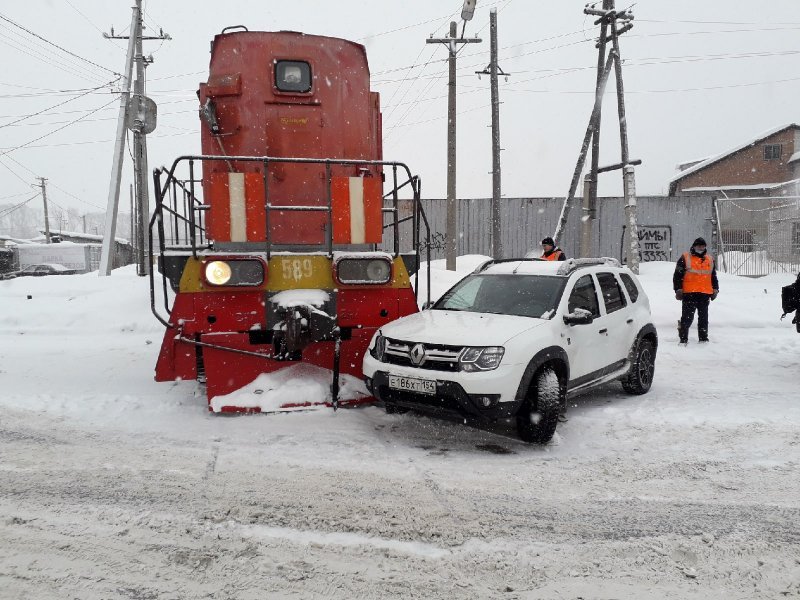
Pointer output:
549, 241
699, 242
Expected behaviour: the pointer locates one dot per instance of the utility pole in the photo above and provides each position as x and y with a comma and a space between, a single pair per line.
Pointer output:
628, 176
493, 70
140, 154
43, 185
133, 223
139, 116
452, 43
608, 21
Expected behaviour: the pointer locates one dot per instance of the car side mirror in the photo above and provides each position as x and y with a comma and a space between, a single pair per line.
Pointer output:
580, 316
427, 305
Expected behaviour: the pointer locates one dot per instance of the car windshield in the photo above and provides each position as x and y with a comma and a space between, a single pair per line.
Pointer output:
521, 295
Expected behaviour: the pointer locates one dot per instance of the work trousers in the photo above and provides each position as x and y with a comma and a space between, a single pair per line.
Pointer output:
691, 302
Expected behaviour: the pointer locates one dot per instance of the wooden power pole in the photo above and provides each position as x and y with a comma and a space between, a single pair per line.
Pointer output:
613, 24
493, 70
452, 43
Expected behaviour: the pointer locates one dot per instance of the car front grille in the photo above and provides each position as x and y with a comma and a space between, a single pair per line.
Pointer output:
434, 357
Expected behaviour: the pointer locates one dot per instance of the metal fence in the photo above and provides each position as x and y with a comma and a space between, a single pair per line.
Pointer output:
667, 226
759, 235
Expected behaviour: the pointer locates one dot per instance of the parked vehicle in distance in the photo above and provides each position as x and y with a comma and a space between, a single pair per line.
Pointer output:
513, 339
44, 269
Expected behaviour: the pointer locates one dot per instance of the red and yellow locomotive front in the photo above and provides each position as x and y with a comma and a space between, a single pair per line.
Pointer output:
284, 265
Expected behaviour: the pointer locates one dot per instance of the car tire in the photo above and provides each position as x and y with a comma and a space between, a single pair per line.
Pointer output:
640, 376
538, 416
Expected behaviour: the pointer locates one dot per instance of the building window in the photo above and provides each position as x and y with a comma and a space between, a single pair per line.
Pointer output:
796, 238
772, 151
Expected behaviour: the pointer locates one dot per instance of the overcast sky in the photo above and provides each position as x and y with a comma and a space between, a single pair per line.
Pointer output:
700, 77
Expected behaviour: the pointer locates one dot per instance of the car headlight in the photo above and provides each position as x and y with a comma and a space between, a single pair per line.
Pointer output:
234, 272
363, 271
379, 349
481, 358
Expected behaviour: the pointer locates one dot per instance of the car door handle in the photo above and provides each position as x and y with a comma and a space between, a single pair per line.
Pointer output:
629, 321
602, 331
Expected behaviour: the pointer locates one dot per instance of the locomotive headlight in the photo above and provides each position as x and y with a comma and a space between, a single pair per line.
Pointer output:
218, 272
359, 271
378, 270
235, 272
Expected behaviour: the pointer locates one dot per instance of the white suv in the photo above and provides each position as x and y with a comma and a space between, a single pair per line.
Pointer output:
513, 339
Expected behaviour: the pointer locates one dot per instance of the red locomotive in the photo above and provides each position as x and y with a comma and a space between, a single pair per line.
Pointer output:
275, 258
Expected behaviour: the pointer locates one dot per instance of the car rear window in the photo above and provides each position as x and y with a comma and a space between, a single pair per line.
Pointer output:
612, 293
630, 285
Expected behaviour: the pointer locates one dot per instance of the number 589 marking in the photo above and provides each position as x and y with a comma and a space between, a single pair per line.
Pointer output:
296, 268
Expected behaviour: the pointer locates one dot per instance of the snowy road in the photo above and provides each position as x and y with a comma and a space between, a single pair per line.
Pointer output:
112, 486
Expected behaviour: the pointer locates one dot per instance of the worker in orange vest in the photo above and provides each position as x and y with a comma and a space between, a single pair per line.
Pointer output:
695, 284
550, 251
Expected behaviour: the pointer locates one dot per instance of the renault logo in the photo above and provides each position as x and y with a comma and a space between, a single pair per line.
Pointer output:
417, 354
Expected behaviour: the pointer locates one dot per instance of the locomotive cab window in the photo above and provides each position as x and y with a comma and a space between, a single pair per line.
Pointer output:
293, 76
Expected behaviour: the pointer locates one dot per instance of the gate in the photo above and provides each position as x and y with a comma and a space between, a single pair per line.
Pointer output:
759, 235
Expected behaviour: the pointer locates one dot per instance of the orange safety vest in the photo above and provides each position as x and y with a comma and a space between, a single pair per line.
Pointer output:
555, 255
698, 274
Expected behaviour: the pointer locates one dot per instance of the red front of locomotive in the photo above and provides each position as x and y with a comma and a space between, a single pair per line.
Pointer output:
284, 94
292, 213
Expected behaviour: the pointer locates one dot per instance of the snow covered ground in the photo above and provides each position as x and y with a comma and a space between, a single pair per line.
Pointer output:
113, 486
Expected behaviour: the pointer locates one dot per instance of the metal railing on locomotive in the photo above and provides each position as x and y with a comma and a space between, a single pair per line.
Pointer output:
189, 222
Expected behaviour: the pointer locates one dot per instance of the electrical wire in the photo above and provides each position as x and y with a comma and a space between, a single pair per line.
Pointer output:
26, 117
36, 35
13, 172
8, 211
52, 61
56, 130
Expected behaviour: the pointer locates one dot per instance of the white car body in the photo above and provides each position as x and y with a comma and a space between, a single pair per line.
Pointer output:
420, 367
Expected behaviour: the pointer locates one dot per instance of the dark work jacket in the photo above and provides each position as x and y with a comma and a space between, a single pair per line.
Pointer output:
790, 300
680, 271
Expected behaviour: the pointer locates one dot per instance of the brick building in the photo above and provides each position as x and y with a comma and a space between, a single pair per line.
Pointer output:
760, 167
756, 191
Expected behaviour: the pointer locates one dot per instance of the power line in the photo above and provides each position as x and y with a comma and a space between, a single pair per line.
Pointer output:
56, 130
26, 117
52, 60
164, 114
13, 172
14, 196
32, 172
72, 112
36, 35
648, 61
661, 91
106, 141
8, 211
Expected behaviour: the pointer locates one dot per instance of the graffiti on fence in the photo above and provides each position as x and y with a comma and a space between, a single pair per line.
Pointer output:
655, 243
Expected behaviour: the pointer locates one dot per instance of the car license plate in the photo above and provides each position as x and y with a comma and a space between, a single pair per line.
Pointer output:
408, 384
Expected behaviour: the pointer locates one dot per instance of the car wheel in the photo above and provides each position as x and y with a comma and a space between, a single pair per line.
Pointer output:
643, 365
538, 416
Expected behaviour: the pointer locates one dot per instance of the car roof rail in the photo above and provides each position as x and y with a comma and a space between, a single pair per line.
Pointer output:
496, 261
571, 264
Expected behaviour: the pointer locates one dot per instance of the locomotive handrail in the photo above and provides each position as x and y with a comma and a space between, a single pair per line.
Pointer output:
194, 204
